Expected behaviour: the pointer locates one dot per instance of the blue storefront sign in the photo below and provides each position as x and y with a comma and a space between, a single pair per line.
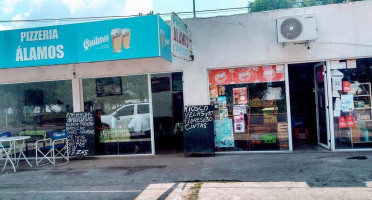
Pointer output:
139, 37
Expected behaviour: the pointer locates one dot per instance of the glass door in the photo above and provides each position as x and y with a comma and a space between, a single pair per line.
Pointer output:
321, 104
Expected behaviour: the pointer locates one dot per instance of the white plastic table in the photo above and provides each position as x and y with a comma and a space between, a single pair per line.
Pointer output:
16, 143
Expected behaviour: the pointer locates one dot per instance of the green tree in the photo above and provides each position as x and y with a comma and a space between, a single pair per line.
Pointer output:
264, 5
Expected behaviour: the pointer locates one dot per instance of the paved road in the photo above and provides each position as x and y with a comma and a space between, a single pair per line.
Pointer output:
171, 175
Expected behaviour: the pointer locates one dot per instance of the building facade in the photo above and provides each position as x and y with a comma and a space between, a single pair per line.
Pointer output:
267, 96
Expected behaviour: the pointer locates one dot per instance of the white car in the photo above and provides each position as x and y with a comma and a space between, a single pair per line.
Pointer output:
123, 116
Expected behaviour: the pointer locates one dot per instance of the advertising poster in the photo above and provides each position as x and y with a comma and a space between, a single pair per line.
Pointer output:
342, 122
213, 91
270, 74
224, 113
346, 86
220, 77
221, 90
223, 133
221, 101
245, 75
238, 110
347, 103
239, 124
240, 96
260, 74
350, 121
351, 64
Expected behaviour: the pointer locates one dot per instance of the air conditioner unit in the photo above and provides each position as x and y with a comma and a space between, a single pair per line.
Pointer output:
297, 28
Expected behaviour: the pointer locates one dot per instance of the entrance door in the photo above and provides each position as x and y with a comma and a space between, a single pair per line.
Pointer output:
321, 104
167, 104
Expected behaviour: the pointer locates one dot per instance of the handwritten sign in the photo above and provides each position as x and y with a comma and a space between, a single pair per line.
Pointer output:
199, 129
80, 129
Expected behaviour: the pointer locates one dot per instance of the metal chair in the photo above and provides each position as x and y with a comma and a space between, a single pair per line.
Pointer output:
5, 150
51, 148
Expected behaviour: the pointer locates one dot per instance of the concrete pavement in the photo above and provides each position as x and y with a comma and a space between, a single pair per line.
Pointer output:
309, 175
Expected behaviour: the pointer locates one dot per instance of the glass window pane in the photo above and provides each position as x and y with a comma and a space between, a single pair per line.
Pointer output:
35, 109
125, 129
352, 100
250, 108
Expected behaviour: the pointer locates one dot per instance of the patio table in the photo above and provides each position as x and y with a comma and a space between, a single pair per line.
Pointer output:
16, 145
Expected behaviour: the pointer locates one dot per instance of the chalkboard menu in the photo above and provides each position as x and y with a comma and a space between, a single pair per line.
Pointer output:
80, 129
198, 130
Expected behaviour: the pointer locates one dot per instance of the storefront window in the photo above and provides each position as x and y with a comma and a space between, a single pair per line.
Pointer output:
34, 109
250, 108
124, 102
351, 95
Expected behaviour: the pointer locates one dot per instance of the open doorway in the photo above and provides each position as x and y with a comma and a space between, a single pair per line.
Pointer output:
308, 106
167, 104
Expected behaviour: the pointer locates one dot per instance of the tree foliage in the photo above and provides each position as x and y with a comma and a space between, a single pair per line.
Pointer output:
264, 5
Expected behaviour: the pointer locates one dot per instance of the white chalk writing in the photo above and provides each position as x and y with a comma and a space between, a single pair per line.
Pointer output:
197, 117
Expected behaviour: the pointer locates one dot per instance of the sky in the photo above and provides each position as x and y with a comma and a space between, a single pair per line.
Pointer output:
54, 9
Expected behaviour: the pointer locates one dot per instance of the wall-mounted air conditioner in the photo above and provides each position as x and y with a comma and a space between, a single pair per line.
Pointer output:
296, 29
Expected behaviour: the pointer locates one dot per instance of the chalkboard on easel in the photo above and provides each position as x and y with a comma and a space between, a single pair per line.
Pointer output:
80, 130
198, 130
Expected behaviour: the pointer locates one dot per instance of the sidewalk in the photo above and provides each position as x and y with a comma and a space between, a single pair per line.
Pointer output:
244, 176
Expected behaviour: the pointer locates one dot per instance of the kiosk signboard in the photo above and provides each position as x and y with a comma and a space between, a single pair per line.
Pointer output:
198, 130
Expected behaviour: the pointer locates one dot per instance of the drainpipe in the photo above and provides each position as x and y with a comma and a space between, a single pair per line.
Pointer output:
193, 4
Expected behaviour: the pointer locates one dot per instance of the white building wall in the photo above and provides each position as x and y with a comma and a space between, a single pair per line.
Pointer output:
344, 31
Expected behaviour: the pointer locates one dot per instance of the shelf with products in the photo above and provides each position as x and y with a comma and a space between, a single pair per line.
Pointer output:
361, 129
266, 113
360, 133
262, 122
362, 96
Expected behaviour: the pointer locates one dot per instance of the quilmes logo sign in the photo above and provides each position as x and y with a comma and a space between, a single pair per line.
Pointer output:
88, 43
181, 45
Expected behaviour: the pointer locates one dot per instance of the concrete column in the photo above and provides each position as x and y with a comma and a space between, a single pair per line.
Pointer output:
77, 94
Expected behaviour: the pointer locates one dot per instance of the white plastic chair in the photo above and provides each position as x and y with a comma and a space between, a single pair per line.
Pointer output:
5, 150
51, 148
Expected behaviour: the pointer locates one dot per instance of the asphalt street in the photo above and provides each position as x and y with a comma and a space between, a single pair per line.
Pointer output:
175, 176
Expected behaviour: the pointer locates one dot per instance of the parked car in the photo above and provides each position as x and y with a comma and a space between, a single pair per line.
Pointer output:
123, 116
